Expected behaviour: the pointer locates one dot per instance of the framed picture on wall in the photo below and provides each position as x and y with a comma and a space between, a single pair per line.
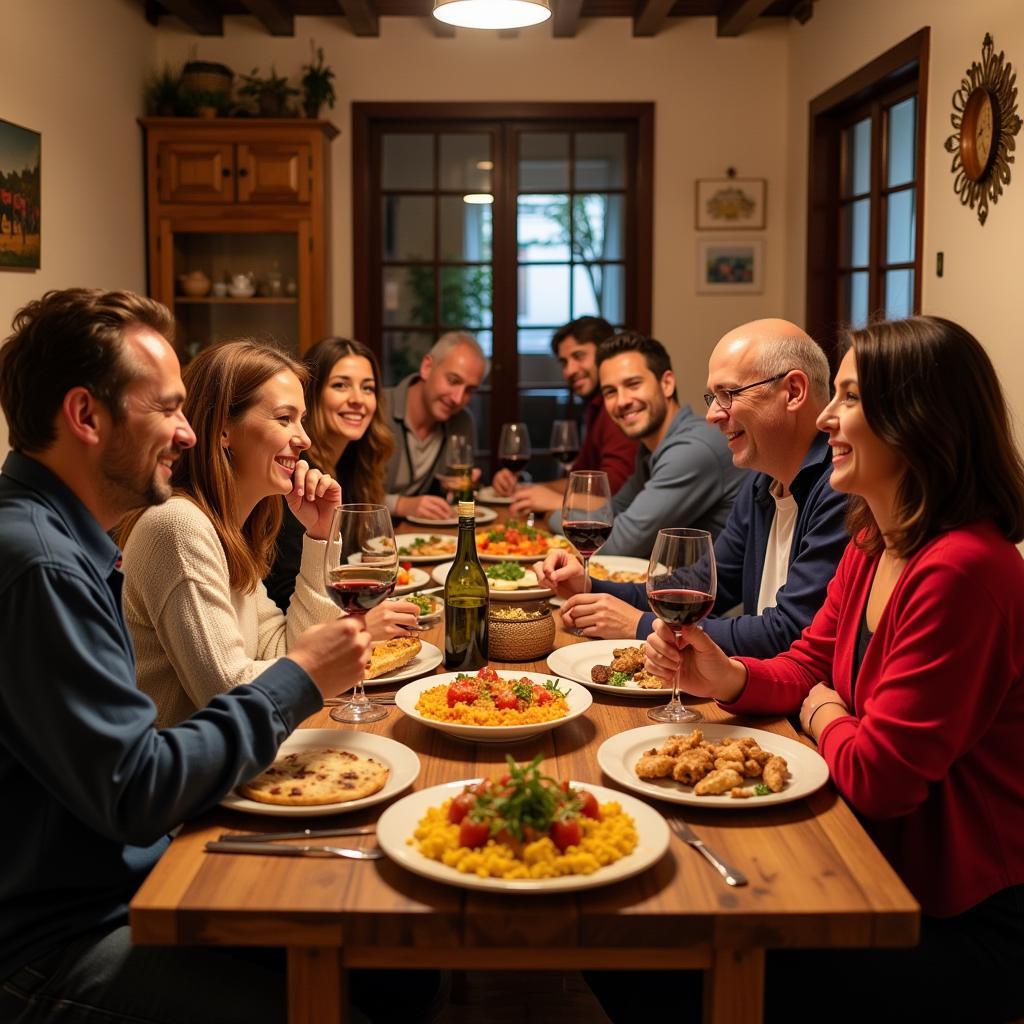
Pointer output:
729, 203
19, 197
730, 267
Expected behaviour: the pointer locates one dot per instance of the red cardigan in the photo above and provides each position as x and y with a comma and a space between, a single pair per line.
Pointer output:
605, 446
932, 758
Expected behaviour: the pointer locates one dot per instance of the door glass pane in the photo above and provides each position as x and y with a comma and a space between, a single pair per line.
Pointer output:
855, 298
408, 226
537, 367
406, 161
542, 228
902, 141
543, 162
402, 353
537, 341
466, 229
855, 233
544, 296
900, 227
480, 407
857, 158
408, 294
599, 226
466, 162
600, 160
466, 297
599, 290
899, 294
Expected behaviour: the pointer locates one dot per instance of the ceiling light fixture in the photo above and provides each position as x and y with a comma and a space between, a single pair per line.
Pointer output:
493, 14
478, 198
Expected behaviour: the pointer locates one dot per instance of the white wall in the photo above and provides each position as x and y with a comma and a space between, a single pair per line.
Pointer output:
75, 72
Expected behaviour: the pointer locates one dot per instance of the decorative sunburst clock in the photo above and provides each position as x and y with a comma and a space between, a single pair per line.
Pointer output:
985, 118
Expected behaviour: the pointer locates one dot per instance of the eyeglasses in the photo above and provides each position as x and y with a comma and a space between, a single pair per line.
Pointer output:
724, 396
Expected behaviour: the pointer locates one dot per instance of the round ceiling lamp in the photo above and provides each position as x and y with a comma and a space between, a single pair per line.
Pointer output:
493, 14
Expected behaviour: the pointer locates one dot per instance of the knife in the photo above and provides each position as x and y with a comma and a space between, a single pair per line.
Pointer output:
306, 833
370, 853
732, 876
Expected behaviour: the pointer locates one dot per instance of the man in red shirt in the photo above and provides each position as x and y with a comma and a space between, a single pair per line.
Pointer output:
604, 445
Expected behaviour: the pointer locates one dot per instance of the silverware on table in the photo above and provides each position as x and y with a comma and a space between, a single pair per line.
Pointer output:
228, 846
306, 833
732, 876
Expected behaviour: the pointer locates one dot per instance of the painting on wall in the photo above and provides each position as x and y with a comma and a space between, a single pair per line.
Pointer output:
730, 203
730, 267
19, 197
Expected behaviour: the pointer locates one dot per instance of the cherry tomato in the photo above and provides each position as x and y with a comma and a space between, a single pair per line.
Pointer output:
565, 834
462, 691
406, 565
588, 804
541, 695
505, 700
473, 833
488, 675
460, 807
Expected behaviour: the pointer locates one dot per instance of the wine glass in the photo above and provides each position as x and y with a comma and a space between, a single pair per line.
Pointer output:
565, 442
514, 447
681, 584
357, 584
587, 515
456, 468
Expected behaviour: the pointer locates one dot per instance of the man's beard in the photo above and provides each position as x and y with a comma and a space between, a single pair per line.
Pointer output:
126, 484
656, 418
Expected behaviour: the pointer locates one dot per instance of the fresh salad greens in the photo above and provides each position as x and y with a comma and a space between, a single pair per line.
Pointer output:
620, 678
506, 571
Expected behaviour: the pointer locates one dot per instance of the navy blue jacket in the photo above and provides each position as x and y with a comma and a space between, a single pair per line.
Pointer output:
819, 540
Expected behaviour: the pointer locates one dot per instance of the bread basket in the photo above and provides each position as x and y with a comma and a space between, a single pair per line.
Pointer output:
526, 639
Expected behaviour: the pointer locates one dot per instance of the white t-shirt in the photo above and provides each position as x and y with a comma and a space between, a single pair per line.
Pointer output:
780, 542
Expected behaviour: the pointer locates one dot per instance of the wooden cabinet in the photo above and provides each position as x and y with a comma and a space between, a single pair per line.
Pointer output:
239, 201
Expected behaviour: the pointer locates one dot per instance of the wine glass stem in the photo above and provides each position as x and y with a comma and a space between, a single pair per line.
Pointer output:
675, 681
359, 691
586, 574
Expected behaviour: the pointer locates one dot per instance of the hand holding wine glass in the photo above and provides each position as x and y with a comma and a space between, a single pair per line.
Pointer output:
587, 515
682, 581
358, 585
565, 442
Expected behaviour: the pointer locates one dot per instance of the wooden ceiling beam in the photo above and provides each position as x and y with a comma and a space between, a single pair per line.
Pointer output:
736, 16
651, 16
566, 18
204, 18
275, 15
362, 16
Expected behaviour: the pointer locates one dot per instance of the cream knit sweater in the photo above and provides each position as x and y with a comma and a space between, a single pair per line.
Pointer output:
194, 636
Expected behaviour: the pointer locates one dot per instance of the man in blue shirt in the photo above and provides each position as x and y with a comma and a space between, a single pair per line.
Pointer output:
767, 383
92, 393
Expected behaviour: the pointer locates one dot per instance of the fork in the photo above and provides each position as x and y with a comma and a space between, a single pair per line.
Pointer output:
732, 875
241, 846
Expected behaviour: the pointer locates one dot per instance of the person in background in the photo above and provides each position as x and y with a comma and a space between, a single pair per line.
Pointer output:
92, 394
911, 676
425, 410
683, 471
767, 384
604, 446
349, 435
198, 612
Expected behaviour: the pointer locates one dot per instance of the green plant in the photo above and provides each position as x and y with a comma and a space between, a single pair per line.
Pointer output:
317, 84
271, 93
163, 92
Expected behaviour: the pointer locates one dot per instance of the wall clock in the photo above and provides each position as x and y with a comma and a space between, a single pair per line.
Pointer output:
985, 121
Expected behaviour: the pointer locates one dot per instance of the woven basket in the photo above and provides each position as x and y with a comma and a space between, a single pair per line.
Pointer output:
520, 639
203, 76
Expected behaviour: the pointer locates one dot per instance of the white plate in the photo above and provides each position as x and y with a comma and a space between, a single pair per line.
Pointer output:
574, 661
399, 821
621, 563
618, 754
483, 515
404, 765
440, 574
433, 616
405, 539
417, 577
427, 660
579, 700
492, 497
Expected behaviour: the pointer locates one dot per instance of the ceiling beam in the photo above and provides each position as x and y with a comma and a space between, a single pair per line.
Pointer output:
736, 16
202, 17
275, 15
651, 16
362, 16
566, 18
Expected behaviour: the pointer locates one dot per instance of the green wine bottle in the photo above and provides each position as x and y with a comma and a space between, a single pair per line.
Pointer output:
466, 596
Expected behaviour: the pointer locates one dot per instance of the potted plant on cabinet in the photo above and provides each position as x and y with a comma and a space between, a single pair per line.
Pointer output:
317, 84
271, 94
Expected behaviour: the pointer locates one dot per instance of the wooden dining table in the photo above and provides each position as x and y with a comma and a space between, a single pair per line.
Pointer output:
815, 880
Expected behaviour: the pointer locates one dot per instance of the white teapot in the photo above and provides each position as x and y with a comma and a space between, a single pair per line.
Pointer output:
242, 286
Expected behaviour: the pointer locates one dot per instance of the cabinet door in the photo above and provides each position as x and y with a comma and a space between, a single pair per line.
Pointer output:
274, 172
196, 172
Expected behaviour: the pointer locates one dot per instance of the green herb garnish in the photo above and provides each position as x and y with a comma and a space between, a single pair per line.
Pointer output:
761, 790
552, 687
506, 571
530, 800
619, 678
523, 690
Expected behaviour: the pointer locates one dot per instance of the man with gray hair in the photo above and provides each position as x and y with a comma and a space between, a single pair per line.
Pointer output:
424, 410
767, 382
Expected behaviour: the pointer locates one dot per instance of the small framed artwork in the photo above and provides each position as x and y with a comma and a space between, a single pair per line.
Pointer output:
19, 197
730, 203
730, 267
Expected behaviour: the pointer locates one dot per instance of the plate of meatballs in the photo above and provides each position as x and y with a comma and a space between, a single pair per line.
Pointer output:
610, 666
712, 765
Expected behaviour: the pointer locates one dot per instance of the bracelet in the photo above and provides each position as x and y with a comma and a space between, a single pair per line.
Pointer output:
838, 704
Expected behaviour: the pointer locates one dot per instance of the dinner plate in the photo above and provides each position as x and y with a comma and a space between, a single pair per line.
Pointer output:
579, 700
483, 515
486, 556
618, 754
427, 660
489, 495
440, 574
574, 661
425, 618
621, 563
404, 765
405, 539
417, 577
399, 821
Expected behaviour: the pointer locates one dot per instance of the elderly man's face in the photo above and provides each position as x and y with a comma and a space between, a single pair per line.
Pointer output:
449, 383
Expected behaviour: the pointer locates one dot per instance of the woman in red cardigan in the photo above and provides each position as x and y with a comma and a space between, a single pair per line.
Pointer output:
911, 676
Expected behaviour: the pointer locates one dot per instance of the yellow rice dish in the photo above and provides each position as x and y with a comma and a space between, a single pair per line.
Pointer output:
434, 704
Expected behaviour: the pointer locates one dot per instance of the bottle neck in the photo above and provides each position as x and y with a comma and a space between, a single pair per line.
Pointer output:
467, 536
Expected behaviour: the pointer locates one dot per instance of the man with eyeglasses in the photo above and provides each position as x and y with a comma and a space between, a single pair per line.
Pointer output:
767, 383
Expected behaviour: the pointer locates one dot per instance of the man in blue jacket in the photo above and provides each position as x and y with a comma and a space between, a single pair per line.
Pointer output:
767, 383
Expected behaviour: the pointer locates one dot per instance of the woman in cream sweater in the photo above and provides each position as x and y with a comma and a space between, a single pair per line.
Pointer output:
193, 598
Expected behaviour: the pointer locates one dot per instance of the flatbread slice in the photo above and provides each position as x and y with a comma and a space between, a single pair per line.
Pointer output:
325, 775
391, 654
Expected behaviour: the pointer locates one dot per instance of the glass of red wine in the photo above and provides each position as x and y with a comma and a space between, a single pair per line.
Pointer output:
360, 569
514, 448
587, 515
681, 584
565, 442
